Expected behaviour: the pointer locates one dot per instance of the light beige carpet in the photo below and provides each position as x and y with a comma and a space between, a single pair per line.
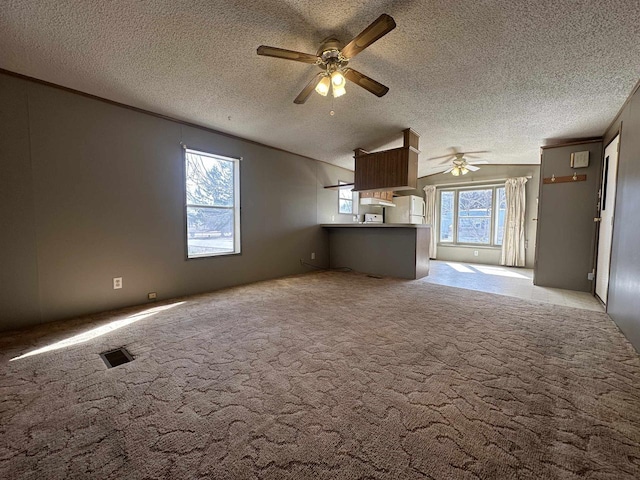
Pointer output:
325, 376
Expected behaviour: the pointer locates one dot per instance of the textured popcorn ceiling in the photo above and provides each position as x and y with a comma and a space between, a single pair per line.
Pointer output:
506, 76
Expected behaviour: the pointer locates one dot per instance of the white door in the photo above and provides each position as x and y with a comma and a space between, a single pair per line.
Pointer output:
607, 207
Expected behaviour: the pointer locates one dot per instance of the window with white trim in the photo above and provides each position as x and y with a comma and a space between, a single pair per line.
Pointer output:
212, 204
472, 216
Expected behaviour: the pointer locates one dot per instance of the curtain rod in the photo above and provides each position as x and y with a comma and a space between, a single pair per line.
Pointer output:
464, 184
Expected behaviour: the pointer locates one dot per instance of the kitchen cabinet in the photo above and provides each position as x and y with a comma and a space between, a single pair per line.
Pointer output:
388, 170
388, 196
384, 199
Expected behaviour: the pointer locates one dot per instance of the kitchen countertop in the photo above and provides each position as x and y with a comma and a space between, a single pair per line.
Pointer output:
373, 225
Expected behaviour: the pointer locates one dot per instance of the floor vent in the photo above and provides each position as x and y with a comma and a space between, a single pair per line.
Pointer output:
116, 357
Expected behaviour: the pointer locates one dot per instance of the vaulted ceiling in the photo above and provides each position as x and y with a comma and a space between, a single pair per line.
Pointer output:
500, 75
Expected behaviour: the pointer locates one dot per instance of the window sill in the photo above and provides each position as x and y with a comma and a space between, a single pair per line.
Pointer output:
470, 246
214, 255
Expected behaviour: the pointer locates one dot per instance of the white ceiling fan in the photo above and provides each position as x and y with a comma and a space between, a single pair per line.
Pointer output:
461, 166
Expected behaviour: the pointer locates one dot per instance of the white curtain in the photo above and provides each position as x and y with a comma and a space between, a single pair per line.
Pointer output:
430, 216
513, 252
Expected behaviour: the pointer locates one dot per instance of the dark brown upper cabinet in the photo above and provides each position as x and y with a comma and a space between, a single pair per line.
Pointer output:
395, 169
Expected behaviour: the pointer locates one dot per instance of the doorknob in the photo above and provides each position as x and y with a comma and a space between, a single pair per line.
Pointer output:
597, 219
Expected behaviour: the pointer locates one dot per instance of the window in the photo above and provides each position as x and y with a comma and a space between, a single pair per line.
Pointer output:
345, 199
472, 216
212, 204
446, 216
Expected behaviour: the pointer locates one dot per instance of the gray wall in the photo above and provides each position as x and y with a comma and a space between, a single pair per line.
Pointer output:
19, 292
328, 198
91, 191
487, 173
624, 284
387, 251
566, 230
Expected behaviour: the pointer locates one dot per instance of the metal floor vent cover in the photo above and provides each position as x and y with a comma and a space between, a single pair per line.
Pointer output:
116, 357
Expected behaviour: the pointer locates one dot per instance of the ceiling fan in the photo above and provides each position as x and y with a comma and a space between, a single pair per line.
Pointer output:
461, 166
333, 59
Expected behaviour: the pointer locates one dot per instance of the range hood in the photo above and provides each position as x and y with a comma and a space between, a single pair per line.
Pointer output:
376, 201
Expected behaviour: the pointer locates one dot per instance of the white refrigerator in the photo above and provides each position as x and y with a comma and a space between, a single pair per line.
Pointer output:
408, 209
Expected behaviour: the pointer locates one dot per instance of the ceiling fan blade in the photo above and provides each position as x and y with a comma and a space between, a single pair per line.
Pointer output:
432, 174
365, 82
479, 162
448, 171
448, 157
471, 154
447, 160
378, 29
471, 168
287, 54
306, 91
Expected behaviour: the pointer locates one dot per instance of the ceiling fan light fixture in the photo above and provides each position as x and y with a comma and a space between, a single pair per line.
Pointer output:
456, 171
464, 170
323, 86
338, 80
338, 91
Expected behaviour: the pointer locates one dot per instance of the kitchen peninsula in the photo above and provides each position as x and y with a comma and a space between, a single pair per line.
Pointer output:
388, 249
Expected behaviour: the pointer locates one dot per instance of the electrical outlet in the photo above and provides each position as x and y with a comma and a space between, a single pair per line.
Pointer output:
333, 218
117, 283
313, 255
152, 296
590, 276
475, 253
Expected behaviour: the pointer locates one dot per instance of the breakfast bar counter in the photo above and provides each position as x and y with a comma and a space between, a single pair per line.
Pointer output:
386, 249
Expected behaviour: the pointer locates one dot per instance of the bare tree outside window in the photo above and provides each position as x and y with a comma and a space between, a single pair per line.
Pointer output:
446, 216
472, 216
212, 200
345, 199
